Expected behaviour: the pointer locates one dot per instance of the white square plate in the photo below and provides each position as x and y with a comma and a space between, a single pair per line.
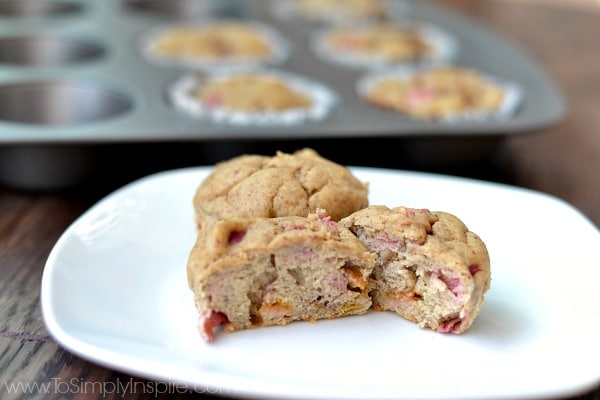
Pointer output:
114, 291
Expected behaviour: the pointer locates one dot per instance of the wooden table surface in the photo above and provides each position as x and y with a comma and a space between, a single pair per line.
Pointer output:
562, 160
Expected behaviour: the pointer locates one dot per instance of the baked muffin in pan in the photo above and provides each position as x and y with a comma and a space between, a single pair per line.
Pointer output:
212, 44
384, 44
335, 11
252, 97
442, 93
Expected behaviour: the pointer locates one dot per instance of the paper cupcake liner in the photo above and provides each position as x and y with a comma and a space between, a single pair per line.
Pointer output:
512, 99
444, 47
323, 100
287, 10
280, 46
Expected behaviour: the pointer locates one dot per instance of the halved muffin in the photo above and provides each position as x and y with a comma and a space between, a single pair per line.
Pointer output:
255, 272
430, 268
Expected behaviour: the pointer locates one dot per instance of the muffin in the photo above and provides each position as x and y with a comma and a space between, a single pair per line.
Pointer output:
217, 44
257, 272
333, 11
256, 97
384, 44
294, 184
440, 93
293, 238
430, 268
252, 92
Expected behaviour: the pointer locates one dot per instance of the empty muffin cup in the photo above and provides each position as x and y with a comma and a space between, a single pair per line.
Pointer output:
60, 103
38, 8
47, 50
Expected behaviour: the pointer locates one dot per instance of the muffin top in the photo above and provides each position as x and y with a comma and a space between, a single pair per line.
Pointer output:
282, 185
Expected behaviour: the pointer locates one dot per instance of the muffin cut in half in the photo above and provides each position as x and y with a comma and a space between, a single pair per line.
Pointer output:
430, 268
255, 272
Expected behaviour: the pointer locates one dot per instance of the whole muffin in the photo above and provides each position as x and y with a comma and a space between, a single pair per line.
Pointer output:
230, 39
341, 10
282, 185
252, 92
216, 44
439, 93
386, 42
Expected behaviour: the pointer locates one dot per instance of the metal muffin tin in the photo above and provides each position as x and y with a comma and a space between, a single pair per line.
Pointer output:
73, 73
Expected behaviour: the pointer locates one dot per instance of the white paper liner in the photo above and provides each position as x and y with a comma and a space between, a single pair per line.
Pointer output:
444, 48
287, 10
323, 100
511, 101
280, 48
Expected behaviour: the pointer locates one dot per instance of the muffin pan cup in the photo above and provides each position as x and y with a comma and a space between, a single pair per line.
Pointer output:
38, 9
97, 85
60, 103
35, 50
